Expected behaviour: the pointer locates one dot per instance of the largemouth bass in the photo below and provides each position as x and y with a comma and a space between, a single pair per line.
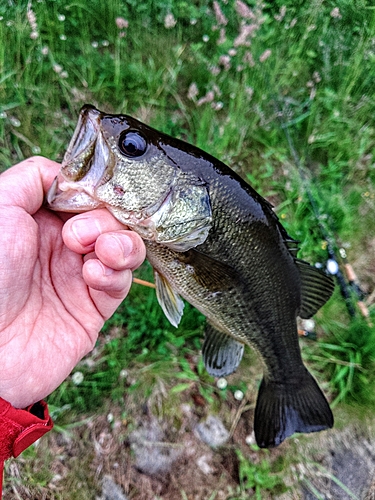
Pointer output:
213, 240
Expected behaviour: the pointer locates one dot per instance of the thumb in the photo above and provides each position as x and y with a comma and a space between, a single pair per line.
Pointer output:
25, 184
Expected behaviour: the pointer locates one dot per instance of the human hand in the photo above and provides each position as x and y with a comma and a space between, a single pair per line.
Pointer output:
58, 282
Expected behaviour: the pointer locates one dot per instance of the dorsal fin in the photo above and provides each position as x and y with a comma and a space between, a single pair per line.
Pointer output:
316, 288
293, 246
291, 243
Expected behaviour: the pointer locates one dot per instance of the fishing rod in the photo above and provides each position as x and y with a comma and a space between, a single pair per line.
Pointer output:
349, 288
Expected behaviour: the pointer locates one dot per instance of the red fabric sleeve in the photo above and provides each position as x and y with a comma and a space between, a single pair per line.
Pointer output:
21, 428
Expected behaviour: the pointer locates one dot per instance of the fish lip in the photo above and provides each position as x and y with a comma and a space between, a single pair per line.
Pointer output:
62, 197
83, 167
84, 136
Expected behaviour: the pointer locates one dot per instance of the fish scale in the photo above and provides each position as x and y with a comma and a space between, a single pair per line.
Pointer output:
213, 240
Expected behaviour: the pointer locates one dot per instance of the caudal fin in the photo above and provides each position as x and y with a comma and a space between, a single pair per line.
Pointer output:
283, 409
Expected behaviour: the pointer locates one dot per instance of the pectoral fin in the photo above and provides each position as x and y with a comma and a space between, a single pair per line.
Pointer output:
169, 300
317, 287
221, 353
210, 273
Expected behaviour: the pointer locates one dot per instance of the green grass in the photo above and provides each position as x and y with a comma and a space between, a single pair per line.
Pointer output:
316, 84
260, 477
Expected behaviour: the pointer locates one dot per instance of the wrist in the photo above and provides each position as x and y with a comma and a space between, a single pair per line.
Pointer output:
19, 428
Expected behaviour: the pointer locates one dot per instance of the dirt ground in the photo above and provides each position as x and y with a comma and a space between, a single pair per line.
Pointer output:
146, 458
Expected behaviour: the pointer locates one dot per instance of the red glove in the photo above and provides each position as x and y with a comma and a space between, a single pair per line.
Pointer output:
20, 428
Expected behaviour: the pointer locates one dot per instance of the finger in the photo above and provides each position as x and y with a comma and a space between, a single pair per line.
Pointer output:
103, 278
108, 287
120, 250
81, 231
26, 183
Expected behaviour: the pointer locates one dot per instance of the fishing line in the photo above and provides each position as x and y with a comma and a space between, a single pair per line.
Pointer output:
347, 289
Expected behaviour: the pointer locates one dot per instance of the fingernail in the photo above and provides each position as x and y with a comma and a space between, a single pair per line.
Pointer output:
107, 271
126, 244
86, 230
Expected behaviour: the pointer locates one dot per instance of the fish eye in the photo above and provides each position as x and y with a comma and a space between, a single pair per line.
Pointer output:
132, 144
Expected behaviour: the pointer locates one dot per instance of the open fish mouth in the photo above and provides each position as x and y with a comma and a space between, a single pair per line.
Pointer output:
73, 189
64, 198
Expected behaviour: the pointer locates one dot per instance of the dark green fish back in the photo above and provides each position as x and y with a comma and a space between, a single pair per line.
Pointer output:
246, 279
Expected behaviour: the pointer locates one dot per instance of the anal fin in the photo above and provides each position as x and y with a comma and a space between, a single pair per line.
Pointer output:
221, 353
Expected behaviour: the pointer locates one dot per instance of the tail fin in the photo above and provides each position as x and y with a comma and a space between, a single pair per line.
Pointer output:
283, 409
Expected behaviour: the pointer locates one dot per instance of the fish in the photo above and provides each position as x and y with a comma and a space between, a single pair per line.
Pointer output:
213, 241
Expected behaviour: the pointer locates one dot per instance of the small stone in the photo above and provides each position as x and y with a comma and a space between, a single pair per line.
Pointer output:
111, 490
212, 431
153, 456
203, 464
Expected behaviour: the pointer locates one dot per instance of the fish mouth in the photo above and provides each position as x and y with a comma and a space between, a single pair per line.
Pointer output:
63, 197
83, 168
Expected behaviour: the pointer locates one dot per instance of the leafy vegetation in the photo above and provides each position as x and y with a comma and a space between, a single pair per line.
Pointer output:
281, 91
259, 477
